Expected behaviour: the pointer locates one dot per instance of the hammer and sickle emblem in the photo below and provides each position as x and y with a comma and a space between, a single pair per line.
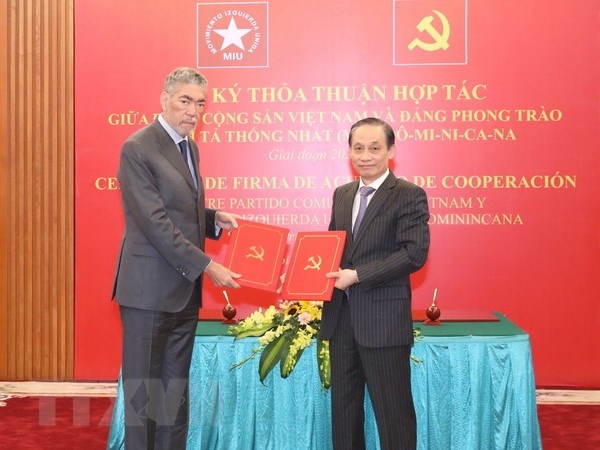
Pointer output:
257, 253
315, 263
440, 40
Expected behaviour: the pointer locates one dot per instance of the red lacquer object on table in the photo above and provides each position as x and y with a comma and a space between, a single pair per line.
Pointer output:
433, 313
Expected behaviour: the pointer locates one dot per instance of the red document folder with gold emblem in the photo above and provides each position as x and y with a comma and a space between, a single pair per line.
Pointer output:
257, 252
315, 253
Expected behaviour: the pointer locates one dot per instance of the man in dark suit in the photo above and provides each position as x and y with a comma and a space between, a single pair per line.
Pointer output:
158, 281
368, 321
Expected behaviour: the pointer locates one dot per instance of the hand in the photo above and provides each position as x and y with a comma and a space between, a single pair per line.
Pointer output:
345, 278
226, 220
281, 281
221, 276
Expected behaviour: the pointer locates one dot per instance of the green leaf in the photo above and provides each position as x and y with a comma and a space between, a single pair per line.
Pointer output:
255, 332
272, 354
323, 363
288, 363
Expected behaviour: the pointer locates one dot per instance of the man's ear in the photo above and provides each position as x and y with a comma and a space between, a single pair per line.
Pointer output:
164, 99
391, 151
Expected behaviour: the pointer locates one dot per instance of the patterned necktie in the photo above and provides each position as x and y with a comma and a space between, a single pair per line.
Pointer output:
183, 146
365, 191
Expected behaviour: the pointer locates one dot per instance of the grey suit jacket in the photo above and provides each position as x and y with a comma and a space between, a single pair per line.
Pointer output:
162, 252
392, 243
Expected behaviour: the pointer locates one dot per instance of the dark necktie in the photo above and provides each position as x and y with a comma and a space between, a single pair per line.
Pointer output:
184, 151
365, 191
183, 146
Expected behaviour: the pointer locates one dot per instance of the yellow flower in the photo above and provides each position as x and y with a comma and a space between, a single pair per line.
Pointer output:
283, 334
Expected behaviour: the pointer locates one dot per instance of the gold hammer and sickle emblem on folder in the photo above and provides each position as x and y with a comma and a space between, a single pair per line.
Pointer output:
440, 39
256, 253
315, 263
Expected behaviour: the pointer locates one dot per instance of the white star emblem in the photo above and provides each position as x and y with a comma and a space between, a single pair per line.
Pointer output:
233, 35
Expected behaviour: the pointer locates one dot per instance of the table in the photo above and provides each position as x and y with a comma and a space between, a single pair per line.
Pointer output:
473, 389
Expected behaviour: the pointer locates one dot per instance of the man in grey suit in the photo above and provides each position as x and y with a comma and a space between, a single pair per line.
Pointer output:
158, 282
368, 321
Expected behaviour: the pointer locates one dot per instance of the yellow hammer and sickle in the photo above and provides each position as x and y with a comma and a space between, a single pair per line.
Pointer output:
440, 40
315, 263
257, 253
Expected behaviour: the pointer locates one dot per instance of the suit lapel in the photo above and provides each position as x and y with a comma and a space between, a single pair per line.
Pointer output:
200, 191
376, 204
347, 201
194, 155
171, 152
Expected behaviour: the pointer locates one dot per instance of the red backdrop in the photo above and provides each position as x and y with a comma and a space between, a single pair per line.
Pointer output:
496, 111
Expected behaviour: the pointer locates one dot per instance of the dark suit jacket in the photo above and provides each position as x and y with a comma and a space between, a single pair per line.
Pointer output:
162, 253
392, 242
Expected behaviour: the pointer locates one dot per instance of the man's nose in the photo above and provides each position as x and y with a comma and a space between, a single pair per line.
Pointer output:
192, 109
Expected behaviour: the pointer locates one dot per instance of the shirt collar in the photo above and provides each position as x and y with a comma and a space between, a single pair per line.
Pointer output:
378, 182
174, 134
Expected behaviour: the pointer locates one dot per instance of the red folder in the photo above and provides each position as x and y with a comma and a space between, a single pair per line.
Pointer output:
257, 252
315, 253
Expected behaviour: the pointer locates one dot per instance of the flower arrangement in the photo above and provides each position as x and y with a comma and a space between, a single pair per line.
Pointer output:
283, 335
